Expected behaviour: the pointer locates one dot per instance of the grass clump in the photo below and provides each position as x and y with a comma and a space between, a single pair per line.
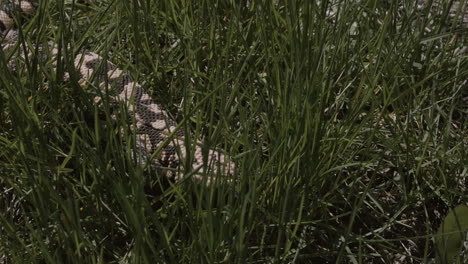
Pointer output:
347, 120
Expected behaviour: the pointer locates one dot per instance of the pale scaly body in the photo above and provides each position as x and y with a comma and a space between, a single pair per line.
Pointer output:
156, 133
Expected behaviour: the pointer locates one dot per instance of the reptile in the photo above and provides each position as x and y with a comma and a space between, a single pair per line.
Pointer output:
158, 136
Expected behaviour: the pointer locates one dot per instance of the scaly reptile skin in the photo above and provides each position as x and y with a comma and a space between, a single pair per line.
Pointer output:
153, 124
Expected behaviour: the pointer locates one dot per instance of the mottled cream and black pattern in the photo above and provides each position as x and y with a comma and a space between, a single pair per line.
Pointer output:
155, 131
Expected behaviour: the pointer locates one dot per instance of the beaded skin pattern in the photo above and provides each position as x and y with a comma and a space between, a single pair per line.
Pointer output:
157, 135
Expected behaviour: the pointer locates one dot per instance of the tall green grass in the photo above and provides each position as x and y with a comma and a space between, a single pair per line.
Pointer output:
346, 121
